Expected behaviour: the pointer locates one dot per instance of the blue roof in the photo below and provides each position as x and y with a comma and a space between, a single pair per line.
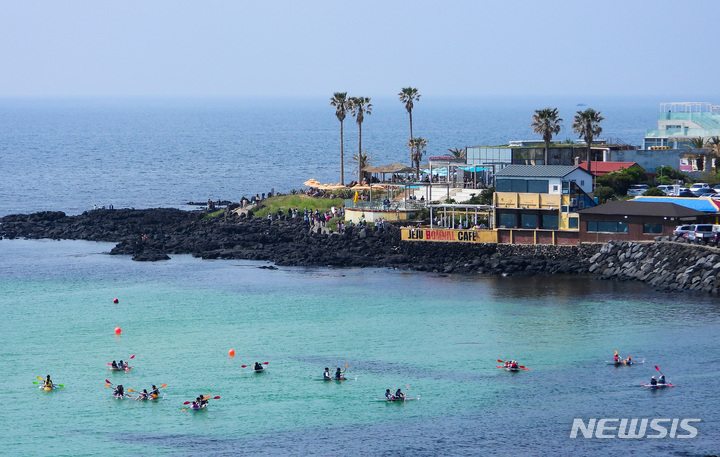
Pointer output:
699, 204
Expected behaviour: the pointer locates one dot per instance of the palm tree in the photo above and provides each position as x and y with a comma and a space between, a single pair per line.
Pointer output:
459, 153
361, 161
547, 123
587, 126
359, 107
417, 148
698, 143
714, 145
340, 101
409, 95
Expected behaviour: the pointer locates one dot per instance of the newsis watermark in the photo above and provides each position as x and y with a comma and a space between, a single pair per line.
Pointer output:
634, 428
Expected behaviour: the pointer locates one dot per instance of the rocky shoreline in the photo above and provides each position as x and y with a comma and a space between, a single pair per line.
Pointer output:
155, 234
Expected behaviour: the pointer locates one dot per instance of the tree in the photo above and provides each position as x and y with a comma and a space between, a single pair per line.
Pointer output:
417, 148
698, 143
340, 101
547, 123
361, 161
587, 126
409, 95
359, 107
459, 153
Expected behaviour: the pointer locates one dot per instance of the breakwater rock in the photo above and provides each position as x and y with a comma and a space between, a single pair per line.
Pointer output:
154, 234
664, 265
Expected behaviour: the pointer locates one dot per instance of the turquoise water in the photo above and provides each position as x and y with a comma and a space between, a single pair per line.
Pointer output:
441, 335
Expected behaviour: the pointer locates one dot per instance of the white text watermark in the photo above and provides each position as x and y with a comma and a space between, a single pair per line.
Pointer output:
634, 428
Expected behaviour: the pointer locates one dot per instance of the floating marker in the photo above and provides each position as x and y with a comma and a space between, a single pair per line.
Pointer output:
231, 352
118, 330
116, 301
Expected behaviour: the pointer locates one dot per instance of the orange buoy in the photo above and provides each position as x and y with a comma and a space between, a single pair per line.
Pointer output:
118, 330
231, 352
116, 301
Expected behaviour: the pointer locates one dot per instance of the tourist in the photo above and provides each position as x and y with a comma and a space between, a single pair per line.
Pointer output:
326, 374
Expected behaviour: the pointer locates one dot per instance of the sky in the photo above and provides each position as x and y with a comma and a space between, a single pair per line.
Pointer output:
229, 48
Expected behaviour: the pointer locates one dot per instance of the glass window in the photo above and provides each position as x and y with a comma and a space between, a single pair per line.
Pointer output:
573, 223
652, 228
507, 220
528, 221
550, 221
607, 226
538, 186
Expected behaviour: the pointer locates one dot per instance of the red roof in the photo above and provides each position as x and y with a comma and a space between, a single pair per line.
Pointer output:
603, 168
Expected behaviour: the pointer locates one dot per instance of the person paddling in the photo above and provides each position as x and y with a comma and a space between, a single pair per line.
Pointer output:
389, 395
114, 364
327, 376
399, 395
339, 373
653, 381
48, 382
662, 380
122, 365
154, 392
629, 361
201, 400
119, 391
258, 366
143, 395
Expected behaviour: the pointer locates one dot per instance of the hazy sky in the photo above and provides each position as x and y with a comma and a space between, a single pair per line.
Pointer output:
371, 48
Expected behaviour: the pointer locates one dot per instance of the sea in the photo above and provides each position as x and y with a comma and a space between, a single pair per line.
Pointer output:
439, 338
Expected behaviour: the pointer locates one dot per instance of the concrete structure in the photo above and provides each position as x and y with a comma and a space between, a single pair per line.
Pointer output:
679, 122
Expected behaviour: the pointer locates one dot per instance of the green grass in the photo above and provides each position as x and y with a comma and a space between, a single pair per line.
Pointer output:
271, 205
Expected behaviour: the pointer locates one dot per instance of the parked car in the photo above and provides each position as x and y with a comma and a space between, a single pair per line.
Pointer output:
699, 185
637, 189
704, 193
701, 233
717, 188
686, 193
670, 189
682, 230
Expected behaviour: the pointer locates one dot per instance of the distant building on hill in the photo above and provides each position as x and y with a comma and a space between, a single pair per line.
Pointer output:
680, 122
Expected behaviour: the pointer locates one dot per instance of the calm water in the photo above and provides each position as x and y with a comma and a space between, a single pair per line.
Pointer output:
72, 154
439, 335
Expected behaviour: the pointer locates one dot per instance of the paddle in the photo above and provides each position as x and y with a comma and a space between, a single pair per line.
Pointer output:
264, 363
406, 391
62, 385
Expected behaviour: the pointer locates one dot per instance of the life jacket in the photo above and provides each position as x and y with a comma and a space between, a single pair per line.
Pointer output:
327, 375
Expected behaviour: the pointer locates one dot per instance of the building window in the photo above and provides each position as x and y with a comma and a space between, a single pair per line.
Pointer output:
528, 221
507, 220
550, 221
573, 223
653, 228
538, 186
555, 188
607, 226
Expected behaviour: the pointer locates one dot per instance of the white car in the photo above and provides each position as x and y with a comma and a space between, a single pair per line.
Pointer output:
698, 186
637, 189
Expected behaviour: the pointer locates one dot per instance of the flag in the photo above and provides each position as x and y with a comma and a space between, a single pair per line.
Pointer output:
356, 198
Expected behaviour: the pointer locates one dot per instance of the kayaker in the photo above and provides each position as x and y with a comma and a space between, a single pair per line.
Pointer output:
114, 364
662, 379
399, 395
617, 357
48, 382
628, 361
327, 374
389, 395
513, 364
119, 391
653, 381
143, 395
339, 373
121, 365
155, 392
201, 400
258, 366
